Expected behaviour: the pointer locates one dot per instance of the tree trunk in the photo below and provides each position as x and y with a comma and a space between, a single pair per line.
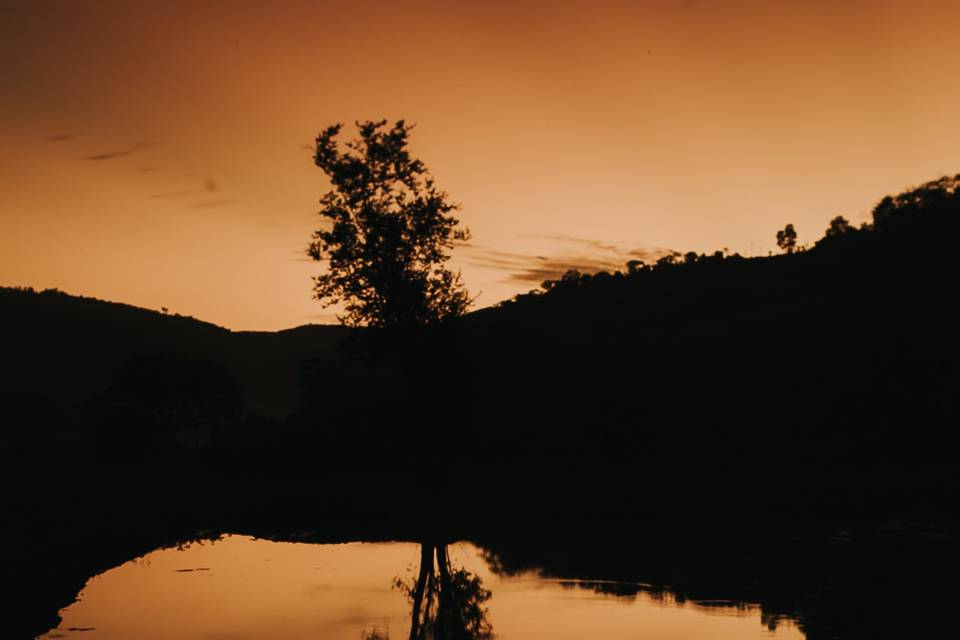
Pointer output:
426, 569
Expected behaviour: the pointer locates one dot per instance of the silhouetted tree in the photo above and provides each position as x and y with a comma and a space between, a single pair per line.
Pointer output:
446, 603
787, 239
571, 278
391, 232
838, 226
931, 204
669, 259
635, 266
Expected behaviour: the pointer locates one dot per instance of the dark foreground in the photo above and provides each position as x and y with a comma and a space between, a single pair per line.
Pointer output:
863, 581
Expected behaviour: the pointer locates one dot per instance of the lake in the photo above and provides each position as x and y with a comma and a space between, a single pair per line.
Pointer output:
244, 588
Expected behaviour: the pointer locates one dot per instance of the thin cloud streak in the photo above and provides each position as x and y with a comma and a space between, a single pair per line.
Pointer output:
530, 268
110, 155
598, 245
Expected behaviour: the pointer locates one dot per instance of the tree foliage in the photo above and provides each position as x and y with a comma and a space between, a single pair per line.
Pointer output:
390, 234
787, 239
933, 202
838, 227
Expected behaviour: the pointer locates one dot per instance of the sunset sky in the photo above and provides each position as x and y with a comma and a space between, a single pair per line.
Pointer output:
157, 153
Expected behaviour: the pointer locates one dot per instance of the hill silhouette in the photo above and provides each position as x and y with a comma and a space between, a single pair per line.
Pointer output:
819, 381
64, 349
823, 379
788, 395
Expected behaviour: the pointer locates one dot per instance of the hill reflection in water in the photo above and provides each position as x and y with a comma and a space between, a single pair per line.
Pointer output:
243, 588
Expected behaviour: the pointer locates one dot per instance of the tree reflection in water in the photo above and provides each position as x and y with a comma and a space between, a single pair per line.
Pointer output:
446, 603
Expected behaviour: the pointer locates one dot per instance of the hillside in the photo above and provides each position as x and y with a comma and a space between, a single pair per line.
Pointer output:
707, 401
820, 381
64, 349
899, 267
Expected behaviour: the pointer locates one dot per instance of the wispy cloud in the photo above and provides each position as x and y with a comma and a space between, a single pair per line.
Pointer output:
109, 155
581, 254
60, 137
522, 267
596, 245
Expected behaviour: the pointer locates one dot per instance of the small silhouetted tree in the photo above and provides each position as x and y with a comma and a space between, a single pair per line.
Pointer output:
838, 226
787, 239
669, 259
635, 266
391, 232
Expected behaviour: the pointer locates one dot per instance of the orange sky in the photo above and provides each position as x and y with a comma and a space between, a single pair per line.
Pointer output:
153, 151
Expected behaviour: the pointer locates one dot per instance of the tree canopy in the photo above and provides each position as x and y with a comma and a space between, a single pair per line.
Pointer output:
787, 239
390, 234
926, 205
838, 227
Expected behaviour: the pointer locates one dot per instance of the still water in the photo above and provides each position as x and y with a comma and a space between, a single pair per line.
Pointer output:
241, 588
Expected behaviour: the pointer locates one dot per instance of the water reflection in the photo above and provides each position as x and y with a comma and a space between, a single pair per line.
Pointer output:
446, 603
242, 588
